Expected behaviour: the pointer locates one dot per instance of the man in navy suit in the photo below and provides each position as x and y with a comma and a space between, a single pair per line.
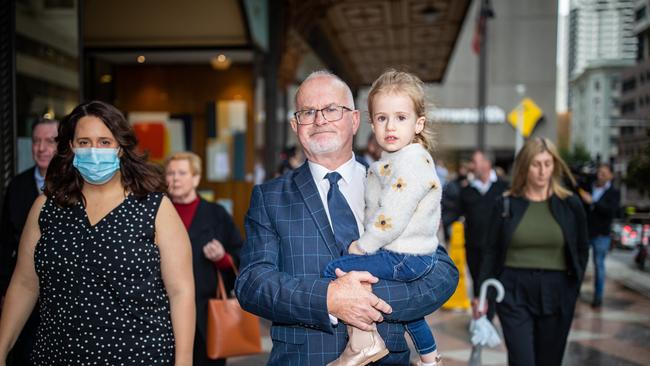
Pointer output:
19, 197
290, 240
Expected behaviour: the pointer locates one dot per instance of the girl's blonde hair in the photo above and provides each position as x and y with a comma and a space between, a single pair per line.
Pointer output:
392, 82
524, 159
192, 158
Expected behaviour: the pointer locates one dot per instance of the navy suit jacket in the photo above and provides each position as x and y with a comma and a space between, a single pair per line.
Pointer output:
289, 242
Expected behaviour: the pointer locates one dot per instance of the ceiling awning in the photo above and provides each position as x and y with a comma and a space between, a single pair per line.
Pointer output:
359, 39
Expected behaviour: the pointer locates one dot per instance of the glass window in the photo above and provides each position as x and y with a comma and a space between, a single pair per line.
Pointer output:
47, 61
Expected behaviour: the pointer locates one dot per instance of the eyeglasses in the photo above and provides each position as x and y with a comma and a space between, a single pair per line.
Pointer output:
331, 113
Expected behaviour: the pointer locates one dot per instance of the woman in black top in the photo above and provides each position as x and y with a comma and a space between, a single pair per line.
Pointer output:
105, 253
215, 241
537, 247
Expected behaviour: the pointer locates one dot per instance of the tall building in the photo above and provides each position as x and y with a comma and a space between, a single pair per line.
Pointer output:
601, 44
595, 101
600, 30
634, 120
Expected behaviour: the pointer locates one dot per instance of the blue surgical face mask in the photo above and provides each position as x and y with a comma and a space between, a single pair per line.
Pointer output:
96, 166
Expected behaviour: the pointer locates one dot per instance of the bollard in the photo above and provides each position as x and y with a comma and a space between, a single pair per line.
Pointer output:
459, 300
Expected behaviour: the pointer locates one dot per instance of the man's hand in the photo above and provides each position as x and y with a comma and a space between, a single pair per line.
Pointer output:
214, 250
350, 299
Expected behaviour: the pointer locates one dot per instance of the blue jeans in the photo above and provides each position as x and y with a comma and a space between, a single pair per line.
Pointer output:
600, 245
395, 267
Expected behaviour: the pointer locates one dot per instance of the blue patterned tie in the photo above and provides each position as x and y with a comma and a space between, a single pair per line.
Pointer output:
343, 222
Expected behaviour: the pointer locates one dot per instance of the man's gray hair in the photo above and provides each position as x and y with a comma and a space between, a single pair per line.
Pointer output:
328, 74
487, 154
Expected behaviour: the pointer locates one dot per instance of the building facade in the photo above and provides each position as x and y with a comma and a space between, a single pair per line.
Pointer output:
634, 120
600, 30
595, 100
601, 44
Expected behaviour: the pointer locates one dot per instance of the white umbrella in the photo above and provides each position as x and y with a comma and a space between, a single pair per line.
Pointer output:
482, 331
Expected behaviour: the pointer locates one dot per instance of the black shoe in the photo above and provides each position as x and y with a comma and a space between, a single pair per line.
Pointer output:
596, 304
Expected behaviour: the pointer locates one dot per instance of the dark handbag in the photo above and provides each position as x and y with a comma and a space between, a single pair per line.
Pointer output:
231, 331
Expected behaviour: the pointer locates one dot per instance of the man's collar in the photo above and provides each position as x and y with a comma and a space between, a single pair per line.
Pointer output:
605, 186
493, 178
346, 170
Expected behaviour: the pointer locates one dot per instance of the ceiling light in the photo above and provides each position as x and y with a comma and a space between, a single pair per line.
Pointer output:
220, 62
141, 59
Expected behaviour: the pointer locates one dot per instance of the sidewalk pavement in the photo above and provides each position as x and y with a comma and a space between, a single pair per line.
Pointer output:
616, 334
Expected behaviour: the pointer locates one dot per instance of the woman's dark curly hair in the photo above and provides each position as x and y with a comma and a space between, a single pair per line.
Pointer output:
63, 182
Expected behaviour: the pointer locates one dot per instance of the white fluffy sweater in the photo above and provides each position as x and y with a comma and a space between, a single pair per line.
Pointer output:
402, 203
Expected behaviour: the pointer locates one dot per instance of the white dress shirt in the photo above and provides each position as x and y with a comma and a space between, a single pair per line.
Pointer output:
484, 187
352, 185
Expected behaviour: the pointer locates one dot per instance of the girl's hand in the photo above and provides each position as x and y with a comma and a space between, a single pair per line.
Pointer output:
354, 248
214, 250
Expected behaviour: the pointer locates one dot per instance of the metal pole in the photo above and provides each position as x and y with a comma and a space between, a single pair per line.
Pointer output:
482, 73
519, 134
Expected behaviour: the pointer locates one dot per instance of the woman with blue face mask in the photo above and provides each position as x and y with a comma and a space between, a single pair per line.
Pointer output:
105, 253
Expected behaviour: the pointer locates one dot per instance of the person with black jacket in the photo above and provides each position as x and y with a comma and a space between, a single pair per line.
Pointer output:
602, 203
537, 247
23, 190
215, 239
475, 200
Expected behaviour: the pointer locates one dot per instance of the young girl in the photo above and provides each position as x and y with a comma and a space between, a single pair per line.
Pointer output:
402, 209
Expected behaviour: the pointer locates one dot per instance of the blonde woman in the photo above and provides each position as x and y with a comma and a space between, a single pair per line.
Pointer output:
215, 241
538, 249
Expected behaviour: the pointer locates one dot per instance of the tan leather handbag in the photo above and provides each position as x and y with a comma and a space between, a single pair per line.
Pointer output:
231, 331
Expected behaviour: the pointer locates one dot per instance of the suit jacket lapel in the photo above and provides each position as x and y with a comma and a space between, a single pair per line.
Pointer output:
305, 183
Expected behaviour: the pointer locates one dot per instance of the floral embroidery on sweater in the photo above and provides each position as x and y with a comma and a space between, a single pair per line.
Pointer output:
402, 203
383, 223
399, 185
384, 170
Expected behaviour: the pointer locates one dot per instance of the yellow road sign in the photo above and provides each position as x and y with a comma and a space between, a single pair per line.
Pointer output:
532, 114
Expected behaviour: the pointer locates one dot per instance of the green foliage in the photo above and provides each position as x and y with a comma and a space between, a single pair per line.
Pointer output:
579, 156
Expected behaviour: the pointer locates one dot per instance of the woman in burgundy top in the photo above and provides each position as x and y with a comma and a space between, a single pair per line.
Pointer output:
215, 240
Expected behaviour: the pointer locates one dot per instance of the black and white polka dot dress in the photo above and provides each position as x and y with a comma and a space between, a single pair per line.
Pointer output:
102, 299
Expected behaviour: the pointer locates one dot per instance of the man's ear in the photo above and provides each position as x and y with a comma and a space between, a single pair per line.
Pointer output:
356, 121
294, 125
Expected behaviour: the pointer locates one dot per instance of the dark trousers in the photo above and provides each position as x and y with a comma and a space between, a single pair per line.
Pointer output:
536, 315
473, 255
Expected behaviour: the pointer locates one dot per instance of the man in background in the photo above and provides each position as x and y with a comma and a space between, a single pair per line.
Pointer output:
475, 204
601, 204
20, 195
